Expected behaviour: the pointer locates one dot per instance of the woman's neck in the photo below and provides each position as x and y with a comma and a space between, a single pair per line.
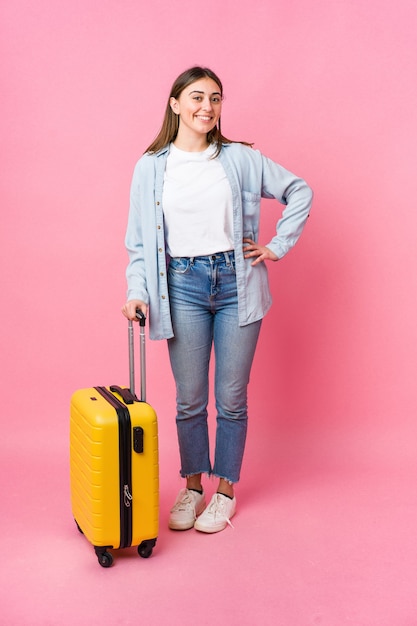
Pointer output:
191, 144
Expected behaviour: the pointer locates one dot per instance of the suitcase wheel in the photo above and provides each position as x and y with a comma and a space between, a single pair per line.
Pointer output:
146, 547
104, 558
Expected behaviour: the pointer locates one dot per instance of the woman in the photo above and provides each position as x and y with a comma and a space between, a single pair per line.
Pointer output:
195, 262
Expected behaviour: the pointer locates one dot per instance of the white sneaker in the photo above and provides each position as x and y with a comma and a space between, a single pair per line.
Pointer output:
217, 515
188, 505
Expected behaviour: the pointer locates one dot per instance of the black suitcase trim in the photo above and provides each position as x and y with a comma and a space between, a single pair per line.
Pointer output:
125, 465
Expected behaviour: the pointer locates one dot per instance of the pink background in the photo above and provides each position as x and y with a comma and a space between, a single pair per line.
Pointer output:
329, 90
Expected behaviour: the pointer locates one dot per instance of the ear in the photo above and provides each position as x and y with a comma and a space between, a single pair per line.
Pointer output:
173, 102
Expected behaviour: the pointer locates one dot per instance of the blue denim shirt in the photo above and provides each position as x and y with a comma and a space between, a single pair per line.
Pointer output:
252, 176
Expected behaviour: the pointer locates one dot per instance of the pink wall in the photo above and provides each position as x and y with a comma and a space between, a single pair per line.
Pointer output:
326, 88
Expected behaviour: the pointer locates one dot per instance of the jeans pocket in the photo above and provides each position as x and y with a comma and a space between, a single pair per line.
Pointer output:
179, 265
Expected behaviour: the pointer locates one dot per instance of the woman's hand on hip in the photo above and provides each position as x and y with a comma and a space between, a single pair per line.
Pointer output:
129, 309
251, 249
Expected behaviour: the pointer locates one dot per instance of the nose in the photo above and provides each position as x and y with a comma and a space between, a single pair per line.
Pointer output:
207, 105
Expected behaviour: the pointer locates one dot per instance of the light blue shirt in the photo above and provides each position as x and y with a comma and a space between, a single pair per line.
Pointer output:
252, 176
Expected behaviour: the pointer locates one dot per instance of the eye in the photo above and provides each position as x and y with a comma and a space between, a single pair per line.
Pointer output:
216, 99
198, 98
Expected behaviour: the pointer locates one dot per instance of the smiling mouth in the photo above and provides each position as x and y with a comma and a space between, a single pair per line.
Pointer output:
204, 118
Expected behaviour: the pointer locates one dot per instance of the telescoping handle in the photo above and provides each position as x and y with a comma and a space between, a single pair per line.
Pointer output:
142, 321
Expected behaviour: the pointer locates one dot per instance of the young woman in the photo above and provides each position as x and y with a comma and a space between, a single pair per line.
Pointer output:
196, 264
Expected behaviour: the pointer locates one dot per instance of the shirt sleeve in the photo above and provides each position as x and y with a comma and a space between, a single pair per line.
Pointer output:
135, 272
296, 195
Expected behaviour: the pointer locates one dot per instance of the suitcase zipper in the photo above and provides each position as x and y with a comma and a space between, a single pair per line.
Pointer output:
125, 466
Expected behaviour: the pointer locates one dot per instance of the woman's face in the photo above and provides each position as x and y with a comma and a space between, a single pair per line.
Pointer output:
198, 106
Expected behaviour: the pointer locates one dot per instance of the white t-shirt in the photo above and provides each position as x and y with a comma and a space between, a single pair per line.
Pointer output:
197, 203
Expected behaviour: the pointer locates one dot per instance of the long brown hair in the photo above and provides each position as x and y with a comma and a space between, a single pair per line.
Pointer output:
170, 124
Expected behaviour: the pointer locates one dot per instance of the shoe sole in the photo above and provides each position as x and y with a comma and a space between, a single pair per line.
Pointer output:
211, 529
174, 526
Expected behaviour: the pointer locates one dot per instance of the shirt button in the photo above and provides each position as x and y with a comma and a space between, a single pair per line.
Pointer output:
161, 273
158, 203
159, 249
159, 228
163, 297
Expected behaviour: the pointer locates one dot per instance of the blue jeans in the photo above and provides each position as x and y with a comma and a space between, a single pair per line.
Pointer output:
203, 298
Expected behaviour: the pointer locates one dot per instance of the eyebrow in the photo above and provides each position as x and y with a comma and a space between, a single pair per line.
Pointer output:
215, 93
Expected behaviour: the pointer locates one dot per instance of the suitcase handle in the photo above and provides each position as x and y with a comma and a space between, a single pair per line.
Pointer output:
141, 317
142, 321
125, 394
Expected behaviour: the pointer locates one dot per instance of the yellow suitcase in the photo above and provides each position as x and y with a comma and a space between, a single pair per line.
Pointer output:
114, 471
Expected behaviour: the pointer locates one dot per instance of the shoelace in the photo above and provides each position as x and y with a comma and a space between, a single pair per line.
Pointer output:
184, 503
218, 508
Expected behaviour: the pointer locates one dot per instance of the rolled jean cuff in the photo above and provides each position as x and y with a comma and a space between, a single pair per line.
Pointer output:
227, 480
189, 474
